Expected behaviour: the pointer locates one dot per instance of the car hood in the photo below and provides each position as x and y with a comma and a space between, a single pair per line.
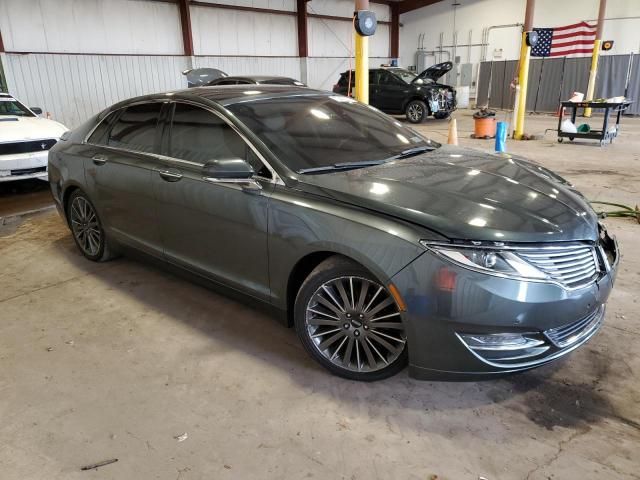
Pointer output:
13, 128
434, 72
466, 194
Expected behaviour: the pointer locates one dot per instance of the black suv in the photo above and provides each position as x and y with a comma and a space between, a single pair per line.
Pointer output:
398, 91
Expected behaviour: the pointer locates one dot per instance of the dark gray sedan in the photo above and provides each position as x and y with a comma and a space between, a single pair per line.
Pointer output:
380, 246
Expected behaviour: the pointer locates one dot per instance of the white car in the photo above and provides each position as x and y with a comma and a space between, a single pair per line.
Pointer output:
25, 140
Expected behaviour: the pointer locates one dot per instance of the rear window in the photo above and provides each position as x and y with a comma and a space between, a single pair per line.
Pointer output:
135, 129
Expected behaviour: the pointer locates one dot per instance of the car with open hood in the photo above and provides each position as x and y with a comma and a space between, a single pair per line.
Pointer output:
396, 90
380, 246
25, 140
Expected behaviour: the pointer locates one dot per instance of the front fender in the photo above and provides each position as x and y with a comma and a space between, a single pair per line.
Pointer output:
300, 225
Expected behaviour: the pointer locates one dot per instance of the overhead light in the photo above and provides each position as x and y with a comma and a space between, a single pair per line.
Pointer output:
473, 172
252, 92
402, 138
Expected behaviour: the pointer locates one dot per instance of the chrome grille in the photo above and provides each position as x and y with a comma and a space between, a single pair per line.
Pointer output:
569, 334
572, 266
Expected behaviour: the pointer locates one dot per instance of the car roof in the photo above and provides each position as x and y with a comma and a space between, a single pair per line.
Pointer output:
230, 94
389, 69
6, 95
257, 78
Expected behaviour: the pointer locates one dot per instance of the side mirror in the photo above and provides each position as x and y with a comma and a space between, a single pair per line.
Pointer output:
227, 170
36, 110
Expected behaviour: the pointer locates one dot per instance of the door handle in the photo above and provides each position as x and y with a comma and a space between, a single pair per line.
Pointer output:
99, 159
170, 175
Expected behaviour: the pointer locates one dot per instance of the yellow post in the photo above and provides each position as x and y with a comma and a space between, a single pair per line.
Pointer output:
362, 68
523, 73
523, 78
593, 72
592, 75
362, 59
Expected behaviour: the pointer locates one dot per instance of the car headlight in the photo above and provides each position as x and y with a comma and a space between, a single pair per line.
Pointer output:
492, 260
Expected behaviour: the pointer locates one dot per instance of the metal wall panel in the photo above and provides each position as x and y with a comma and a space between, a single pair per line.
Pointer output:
219, 31
576, 76
535, 71
91, 26
508, 93
334, 38
74, 87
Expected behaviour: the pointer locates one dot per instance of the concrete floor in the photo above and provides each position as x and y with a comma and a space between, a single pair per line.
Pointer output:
118, 360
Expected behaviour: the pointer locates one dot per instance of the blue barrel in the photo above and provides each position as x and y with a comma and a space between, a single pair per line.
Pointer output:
501, 137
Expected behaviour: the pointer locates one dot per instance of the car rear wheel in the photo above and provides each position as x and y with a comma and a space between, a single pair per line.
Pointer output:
416, 111
350, 323
87, 229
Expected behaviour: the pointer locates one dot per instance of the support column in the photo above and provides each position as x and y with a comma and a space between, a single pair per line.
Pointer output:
185, 23
523, 75
362, 59
593, 72
303, 41
394, 41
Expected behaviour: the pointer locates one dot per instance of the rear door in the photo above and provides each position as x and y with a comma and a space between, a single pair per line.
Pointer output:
218, 230
392, 92
121, 169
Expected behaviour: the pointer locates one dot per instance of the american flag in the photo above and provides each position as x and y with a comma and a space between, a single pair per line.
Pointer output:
576, 39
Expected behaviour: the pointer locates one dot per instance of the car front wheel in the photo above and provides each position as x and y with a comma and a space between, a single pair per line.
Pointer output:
416, 111
350, 323
87, 229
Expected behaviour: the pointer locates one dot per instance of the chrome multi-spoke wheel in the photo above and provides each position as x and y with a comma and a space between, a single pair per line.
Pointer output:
355, 324
87, 228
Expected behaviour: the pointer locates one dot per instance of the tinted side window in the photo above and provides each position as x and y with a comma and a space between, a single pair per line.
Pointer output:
99, 135
388, 79
373, 76
135, 129
227, 82
200, 136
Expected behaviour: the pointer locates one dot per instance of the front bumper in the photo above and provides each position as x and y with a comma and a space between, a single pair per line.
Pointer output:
23, 166
449, 306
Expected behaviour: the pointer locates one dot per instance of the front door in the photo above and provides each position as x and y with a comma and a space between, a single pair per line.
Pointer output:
215, 229
120, 167
392, 92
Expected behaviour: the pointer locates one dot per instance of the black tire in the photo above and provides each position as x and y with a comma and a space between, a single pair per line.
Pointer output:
441, 115
357, 346
86, 232
416, 111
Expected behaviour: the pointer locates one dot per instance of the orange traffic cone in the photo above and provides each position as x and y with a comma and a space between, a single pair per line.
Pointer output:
453, 132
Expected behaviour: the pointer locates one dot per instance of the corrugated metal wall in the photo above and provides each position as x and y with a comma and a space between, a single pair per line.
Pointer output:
93, 53
74, 87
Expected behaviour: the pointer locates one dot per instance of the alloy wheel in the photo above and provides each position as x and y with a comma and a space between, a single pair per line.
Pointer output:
355, 324
85, 226
415, 112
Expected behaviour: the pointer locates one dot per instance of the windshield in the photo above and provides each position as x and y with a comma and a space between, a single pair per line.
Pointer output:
313, 131
10, 106
405, 75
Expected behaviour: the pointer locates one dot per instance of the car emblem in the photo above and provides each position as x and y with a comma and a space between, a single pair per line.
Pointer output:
43, 146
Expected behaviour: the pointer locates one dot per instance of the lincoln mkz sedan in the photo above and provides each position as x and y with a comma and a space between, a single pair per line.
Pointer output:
380, 246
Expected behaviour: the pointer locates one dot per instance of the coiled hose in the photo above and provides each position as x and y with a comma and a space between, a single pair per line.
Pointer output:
624, 211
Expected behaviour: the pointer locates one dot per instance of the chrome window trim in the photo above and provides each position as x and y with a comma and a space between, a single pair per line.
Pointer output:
275, 177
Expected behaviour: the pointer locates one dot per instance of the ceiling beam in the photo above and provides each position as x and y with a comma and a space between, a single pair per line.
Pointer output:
410, 5
394, 31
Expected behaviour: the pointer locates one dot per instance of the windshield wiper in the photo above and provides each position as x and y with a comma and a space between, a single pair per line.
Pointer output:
342, 166
412, 151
